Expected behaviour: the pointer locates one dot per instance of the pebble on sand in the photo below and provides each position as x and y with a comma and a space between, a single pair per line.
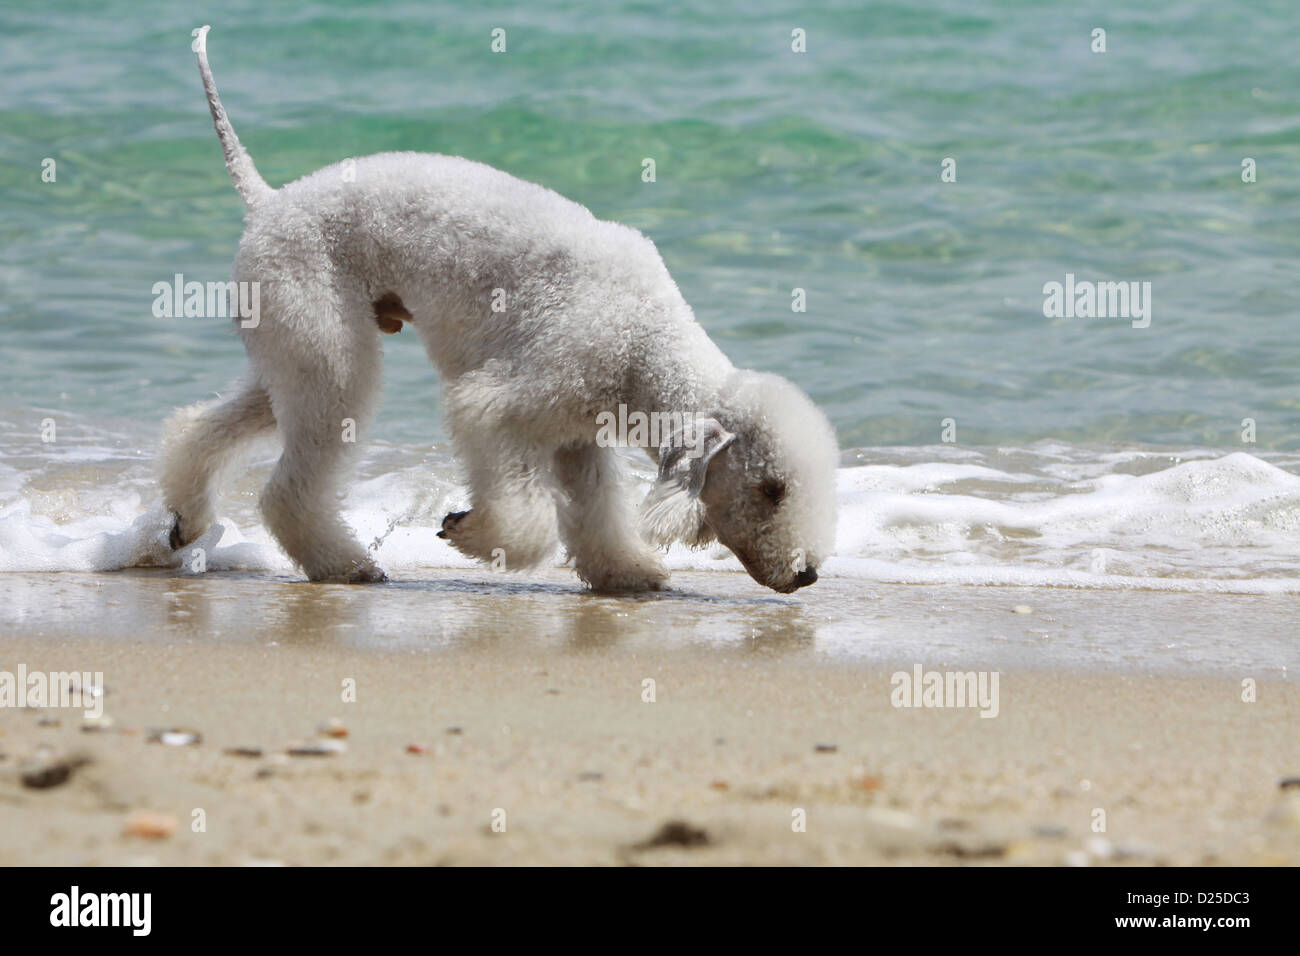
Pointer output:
1022, 609
1099, 848
416, 749
676, 833
332, 728
153, 826
52, 772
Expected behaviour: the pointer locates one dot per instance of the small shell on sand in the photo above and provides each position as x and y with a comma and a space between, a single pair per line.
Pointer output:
1022, 609
318, 748
332, 728
99, 725
153, 826
416, 749
175, 737
1099, 848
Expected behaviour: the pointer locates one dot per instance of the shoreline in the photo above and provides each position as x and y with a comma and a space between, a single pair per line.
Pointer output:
884, 625
527, 696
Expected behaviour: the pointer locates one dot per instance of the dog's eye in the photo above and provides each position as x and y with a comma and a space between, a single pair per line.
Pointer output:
773, 491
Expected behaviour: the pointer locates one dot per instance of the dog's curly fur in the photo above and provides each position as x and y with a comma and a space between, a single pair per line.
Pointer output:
538, 317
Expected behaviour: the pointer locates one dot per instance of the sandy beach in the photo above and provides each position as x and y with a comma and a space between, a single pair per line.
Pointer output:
502, 720
1034, 270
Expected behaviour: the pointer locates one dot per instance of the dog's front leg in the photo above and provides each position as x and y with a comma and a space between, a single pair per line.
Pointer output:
598, 522
511, 522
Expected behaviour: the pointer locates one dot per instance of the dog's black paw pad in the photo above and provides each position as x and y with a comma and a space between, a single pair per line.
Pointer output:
449, 523
174, 538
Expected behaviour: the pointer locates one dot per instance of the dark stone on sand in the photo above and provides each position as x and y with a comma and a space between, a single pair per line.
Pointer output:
52, 774
676, 833
243, 751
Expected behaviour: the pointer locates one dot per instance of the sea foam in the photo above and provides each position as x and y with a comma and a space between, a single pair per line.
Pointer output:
1049, 515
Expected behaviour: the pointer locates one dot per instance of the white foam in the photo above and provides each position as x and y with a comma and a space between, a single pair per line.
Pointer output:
1050, 516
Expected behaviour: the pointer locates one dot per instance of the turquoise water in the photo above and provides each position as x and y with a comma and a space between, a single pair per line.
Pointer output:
775, 171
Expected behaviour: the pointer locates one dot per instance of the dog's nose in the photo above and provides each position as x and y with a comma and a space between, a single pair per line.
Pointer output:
806, 577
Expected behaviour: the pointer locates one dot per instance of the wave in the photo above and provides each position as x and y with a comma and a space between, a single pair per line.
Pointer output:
1051, 515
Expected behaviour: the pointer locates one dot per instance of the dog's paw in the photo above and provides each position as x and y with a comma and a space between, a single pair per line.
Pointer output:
177, 537
356, 571
367, 574
450, 523
646, 575
627, 584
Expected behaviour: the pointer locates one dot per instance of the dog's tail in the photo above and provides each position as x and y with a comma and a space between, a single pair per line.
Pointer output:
238, 163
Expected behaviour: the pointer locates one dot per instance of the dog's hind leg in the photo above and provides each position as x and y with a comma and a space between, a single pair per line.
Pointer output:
201, 441
598, 522
323, 378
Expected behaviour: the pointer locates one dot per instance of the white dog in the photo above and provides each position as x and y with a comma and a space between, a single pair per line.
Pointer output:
542, 321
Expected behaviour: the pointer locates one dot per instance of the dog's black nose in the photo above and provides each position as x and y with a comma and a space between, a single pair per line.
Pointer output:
806, 577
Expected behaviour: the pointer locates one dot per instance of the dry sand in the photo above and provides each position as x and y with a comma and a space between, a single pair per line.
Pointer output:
527, 696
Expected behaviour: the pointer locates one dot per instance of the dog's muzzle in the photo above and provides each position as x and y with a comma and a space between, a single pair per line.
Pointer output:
806, 577
801, 580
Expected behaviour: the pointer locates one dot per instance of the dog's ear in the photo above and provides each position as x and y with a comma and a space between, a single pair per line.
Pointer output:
673, 510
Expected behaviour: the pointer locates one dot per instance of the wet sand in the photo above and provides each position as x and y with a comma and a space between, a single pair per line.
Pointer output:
526, 701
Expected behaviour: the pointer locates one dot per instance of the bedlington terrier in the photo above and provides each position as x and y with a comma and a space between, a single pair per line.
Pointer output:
546, 325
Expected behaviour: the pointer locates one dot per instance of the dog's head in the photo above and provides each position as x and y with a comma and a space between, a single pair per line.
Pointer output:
757, 474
